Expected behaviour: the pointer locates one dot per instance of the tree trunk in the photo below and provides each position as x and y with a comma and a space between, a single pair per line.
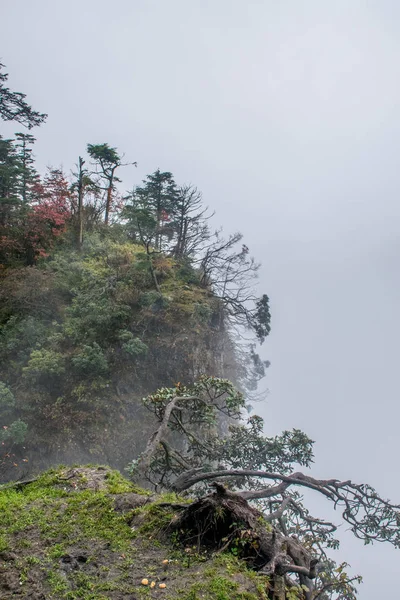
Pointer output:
109, 193
80, 203
152, 272
108, 203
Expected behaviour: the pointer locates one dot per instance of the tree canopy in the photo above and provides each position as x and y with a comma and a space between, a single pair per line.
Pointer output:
13, 106
187, 450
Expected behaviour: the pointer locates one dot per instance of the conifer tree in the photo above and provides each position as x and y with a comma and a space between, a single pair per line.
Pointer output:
28, 174
157, 199
13, 106
107, 161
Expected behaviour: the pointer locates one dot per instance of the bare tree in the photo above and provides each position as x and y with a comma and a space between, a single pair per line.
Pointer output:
230, 272
190, 221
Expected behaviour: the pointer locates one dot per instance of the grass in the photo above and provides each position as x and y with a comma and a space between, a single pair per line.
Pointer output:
56, 518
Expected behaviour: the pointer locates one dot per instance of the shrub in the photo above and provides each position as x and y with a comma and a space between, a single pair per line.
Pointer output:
94, 318
133, 346
154, 300
202, 313
187, 274
43, 364
15, 432
90, 361
7, 400
20, 336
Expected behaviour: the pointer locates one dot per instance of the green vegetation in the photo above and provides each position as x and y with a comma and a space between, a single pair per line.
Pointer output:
65, 537
100, 339
105, 298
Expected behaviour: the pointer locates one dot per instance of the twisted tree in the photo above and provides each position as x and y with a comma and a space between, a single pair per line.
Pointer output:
275, 534
13, 106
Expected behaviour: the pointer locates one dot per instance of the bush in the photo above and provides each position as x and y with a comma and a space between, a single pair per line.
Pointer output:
90, 361
7, 400
15, 432
154, 300
133, 346
28, 291
43, 364
20, 336
202, 313
94, 318
187, 274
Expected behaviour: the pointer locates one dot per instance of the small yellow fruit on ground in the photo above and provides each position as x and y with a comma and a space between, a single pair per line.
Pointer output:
145, 582
165, 562
153, 583
162, 585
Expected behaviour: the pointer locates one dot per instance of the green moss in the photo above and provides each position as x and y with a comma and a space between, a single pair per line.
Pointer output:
56, 517
117, 484
219, 587
33, 560
154, 518
59, 513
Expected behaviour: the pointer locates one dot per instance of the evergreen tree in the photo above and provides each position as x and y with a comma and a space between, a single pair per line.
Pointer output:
10, 170
87, 207
13, 106
28, 174
12, 211
107, 160
153, 205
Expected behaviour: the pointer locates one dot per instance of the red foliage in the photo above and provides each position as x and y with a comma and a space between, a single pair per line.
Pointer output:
31, 230
48, 217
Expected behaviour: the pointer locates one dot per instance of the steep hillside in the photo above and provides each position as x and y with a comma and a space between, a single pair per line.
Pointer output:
83, 337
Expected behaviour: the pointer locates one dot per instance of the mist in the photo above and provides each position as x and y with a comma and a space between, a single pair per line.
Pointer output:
286, 115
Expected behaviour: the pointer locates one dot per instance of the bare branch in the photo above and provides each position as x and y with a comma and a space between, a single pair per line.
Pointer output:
279, 512
371, 517
157, 437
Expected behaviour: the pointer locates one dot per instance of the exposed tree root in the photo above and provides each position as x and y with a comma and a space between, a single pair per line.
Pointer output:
224, 520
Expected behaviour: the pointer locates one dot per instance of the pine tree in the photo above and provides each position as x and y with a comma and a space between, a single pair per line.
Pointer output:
12, 209
157, 200
107, 161
13, 106
10, 171
28, 174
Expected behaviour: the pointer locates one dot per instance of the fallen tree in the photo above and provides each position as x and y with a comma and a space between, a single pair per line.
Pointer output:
277, 536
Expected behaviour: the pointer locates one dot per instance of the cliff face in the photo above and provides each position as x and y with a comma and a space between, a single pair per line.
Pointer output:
87, 533
83, 338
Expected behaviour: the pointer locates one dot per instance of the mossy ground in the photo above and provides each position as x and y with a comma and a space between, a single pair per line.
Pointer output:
88, 533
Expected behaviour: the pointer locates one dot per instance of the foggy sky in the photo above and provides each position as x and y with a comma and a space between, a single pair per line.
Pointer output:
286, 115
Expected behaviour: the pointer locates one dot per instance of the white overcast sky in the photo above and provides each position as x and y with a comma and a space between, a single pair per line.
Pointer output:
286, 115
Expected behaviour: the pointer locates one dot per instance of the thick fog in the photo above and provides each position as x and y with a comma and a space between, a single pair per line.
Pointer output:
287, 116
